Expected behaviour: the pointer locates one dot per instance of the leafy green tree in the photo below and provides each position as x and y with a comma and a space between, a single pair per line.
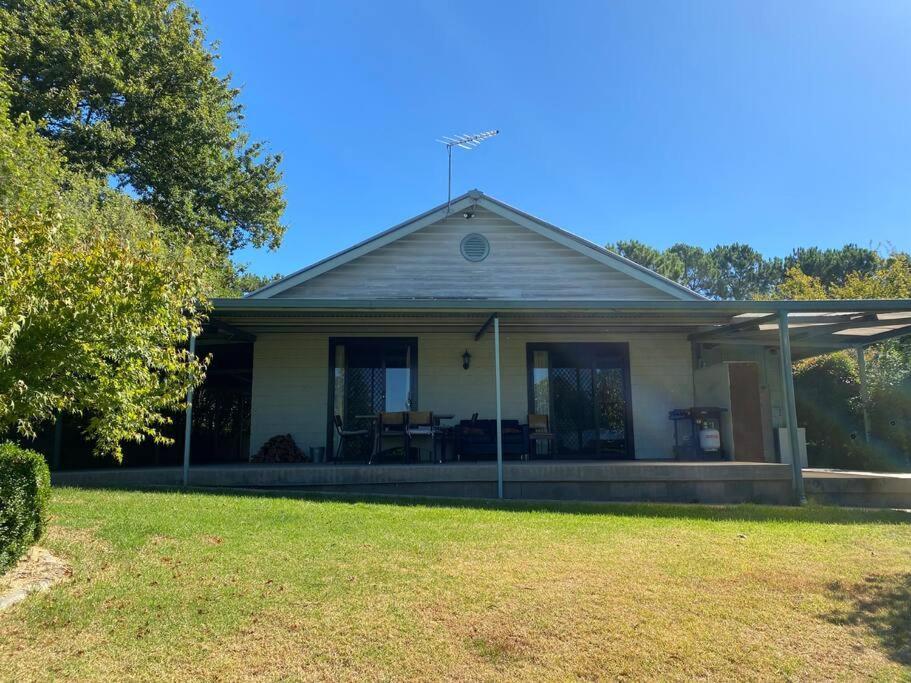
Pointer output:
732, 271
832, 266
129, 89
96, 300
664, 263
699, 272
741, 272
890, 279
737, 271
240, 281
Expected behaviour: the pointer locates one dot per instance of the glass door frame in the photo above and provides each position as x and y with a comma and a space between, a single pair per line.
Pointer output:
618, 349
334, 343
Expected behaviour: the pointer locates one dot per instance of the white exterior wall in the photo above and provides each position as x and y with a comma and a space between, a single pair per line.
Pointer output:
290, 382
290, 388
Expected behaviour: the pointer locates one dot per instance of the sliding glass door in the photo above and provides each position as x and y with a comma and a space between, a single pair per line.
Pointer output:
369, 376
584, 389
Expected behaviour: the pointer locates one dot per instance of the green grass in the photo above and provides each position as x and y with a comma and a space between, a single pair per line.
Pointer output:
173, 586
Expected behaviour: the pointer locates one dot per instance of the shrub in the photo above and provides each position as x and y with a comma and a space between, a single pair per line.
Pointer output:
829, 406
279, 448
25, 488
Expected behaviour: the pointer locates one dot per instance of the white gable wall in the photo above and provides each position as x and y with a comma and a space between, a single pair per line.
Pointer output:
522, 265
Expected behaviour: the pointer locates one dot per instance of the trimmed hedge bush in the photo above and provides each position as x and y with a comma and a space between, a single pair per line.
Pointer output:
25, 489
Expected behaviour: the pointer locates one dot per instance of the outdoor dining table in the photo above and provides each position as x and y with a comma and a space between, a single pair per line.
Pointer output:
375, 418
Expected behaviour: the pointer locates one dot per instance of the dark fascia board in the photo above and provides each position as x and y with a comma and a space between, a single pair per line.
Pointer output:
732, 308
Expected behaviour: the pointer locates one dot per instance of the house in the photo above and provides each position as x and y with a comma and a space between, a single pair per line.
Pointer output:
476, 309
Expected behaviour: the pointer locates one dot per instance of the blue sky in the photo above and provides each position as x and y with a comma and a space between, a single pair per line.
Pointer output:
780, 124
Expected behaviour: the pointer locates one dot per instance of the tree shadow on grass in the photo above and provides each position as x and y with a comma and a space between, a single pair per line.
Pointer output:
814, 514
880, 605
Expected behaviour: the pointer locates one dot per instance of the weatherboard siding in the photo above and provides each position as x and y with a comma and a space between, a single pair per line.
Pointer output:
290, 382
521, 265
290, 388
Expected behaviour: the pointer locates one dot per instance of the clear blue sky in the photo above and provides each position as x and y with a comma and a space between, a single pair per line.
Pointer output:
780, 123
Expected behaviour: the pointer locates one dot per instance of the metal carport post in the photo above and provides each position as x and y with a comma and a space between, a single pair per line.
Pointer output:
864, 392
787, 385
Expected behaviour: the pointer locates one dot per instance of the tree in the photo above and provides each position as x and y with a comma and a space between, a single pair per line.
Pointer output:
240, 281
737, 271
664, 263
129, 90
890, 279
728, 271
741, 272
96, 300
798, 286
832, 266
699, 271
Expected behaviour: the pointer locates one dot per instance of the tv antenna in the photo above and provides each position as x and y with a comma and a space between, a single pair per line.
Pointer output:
464, 141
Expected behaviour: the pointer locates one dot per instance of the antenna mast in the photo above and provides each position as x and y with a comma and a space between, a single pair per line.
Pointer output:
464, 141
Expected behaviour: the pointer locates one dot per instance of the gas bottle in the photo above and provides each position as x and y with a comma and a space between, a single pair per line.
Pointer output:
709, 439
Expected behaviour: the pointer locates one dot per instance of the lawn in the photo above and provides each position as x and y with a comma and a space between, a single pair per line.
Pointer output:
224, 587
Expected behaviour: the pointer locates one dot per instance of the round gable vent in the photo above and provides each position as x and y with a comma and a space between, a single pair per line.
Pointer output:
474, 247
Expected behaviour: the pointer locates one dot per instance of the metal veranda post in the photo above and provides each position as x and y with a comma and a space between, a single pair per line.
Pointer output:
864, 392
787, 384
496, 365
188, 427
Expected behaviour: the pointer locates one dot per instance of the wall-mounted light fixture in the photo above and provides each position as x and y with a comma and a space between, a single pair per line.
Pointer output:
466, 360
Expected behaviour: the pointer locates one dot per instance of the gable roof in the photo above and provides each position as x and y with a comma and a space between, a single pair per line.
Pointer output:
476, 198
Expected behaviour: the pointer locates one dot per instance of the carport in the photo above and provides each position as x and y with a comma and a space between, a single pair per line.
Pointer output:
801, 329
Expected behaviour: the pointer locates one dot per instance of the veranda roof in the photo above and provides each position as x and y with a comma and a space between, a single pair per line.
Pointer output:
814, 326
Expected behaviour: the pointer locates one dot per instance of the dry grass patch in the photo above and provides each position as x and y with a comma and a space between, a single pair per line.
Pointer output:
222, 588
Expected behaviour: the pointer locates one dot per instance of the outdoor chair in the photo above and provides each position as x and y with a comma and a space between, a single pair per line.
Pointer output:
388, 425
344, 434
538, 431
420, 424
